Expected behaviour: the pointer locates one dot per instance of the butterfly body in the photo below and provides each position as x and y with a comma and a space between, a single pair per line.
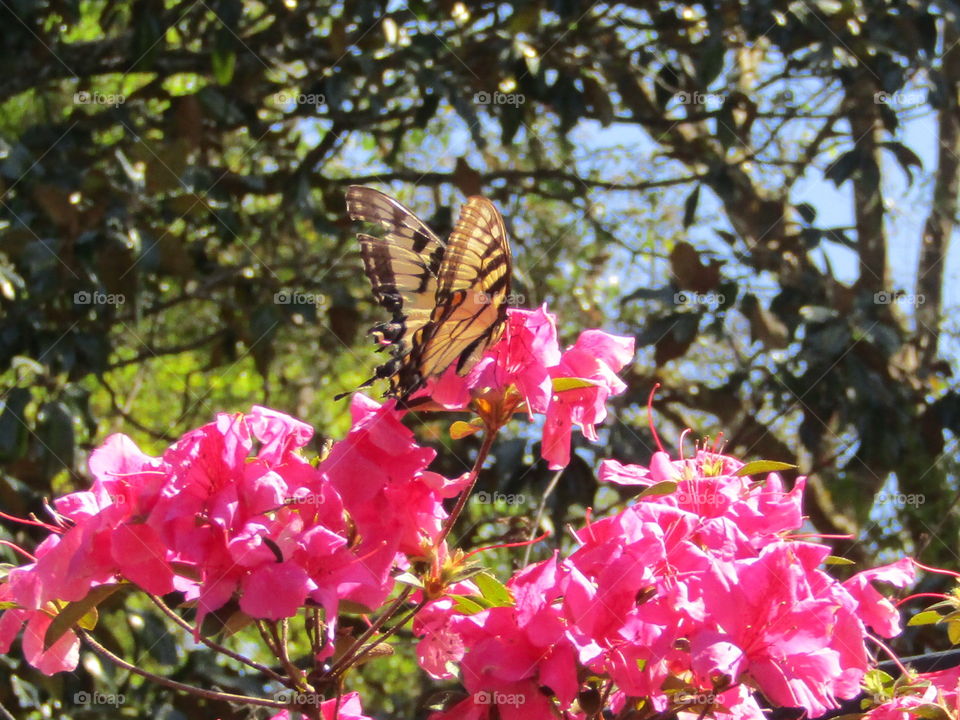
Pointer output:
447, 298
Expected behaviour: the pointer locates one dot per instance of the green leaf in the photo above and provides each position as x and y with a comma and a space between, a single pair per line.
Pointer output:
661, 488
834, 560
926, 617
878, 682
82, 613
409, 579
570, 383
467, 605
763, 466
461, 429
223, 62
493, 590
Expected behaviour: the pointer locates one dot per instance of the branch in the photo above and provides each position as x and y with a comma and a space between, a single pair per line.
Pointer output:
941, 222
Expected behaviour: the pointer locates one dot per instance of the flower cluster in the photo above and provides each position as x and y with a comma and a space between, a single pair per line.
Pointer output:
215, 522
700, 599
569, 388
687, 601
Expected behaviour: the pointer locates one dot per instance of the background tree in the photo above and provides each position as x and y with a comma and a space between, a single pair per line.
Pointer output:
173, 239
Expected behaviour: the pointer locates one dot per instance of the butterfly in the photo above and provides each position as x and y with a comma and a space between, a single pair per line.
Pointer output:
447, 299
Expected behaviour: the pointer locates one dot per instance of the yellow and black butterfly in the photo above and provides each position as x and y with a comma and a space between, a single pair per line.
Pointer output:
448, 299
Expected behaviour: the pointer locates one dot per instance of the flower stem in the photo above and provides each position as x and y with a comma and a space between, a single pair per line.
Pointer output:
168, 611
173, 684
488, 438
347, 659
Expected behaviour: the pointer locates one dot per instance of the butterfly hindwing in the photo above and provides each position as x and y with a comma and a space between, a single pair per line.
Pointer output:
447, 299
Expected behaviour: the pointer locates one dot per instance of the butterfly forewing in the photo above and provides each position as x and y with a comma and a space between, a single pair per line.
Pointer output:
402, 265
447, 299
474, 281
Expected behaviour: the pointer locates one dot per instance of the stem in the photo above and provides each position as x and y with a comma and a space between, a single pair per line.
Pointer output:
488, 439
280, 638
5, 714
268, 641
536, 520
215, 646
173, 684
390, 631
347, 658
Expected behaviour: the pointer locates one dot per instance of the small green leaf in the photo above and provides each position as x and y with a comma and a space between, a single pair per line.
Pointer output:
953, 632
661, 488
927, 617
467, 605
224, 61
835, 560
409, 579
82, 613
570, 383
493, 590
461, 429
763, 466
878, 682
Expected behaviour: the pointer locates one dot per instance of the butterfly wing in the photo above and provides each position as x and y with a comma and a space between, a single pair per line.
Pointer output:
473, 284
402, 265
447, 299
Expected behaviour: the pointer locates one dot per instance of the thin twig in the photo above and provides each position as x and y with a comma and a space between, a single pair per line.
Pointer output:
551, 486
488, 439
168, 611
173, 684
346, 659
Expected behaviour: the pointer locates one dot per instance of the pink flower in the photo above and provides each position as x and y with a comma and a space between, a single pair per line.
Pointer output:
874, 609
